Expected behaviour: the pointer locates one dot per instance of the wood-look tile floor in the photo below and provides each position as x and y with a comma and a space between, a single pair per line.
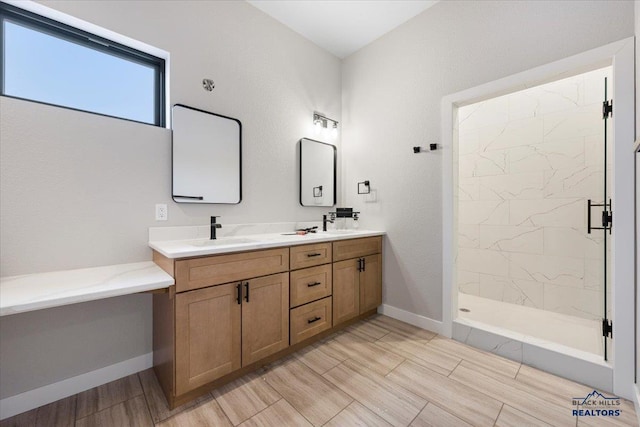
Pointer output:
379, 372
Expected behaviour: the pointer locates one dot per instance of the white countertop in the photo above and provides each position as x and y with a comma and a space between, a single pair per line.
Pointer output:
19, 294
197, 247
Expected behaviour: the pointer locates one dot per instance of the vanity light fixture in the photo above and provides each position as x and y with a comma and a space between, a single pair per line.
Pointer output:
321, 122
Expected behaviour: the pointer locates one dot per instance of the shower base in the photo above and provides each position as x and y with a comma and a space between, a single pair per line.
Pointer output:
561, 344
579, 334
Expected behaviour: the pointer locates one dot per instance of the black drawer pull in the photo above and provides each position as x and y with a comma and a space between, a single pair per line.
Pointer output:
246, 286
315, 319
312, 255
239, 289
310, 285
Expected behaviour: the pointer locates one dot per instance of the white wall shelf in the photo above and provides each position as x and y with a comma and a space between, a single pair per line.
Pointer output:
19, 294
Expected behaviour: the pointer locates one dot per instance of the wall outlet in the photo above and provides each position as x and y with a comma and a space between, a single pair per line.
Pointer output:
162, 213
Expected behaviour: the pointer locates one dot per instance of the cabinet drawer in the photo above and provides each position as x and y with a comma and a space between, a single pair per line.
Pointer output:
310, 284
310, 319
310, 255
215, 270
353, 248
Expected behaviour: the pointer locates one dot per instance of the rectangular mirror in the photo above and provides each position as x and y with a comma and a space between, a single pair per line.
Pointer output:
206, 157
317, 173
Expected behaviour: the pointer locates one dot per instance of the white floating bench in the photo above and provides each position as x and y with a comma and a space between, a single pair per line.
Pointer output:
19, 294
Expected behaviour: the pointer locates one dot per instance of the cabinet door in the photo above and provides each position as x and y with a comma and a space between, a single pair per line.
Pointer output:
265, 317
346, 290
207, 336
371, 283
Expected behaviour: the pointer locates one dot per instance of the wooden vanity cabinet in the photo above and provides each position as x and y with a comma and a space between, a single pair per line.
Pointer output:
357, 277
210, 330
229, 314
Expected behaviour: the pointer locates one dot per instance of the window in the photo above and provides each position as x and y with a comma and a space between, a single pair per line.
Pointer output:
53, 63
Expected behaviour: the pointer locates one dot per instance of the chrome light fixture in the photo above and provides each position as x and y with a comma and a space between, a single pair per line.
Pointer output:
321, 122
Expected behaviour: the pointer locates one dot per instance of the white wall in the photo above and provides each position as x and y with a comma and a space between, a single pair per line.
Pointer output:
391, 96
78, 190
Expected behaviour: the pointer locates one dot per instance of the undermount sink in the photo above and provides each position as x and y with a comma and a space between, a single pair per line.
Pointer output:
224, 241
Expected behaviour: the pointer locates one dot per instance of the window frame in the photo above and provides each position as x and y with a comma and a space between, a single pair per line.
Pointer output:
88, 40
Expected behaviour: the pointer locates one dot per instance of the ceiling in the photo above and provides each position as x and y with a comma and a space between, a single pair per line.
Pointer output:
342, 26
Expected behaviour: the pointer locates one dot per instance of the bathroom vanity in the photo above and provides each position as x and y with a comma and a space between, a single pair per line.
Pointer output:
236, 307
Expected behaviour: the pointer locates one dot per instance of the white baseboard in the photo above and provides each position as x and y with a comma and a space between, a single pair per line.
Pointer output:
32, 399
411, 318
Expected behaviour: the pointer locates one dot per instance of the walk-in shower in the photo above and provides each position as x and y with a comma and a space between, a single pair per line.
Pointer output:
533, 212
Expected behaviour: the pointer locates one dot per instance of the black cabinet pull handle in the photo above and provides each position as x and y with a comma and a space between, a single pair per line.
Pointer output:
359, 264
364, 264
313, 284
246, 286
315, 319
312, 255
239, 289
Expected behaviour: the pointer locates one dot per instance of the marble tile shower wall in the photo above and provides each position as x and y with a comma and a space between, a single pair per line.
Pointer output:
527, 163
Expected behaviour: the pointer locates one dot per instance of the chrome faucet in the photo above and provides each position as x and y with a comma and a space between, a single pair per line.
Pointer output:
214, 225
325, 220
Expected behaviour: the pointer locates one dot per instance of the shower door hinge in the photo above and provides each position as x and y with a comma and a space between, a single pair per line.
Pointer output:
607, 216
607, 328
607, 109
